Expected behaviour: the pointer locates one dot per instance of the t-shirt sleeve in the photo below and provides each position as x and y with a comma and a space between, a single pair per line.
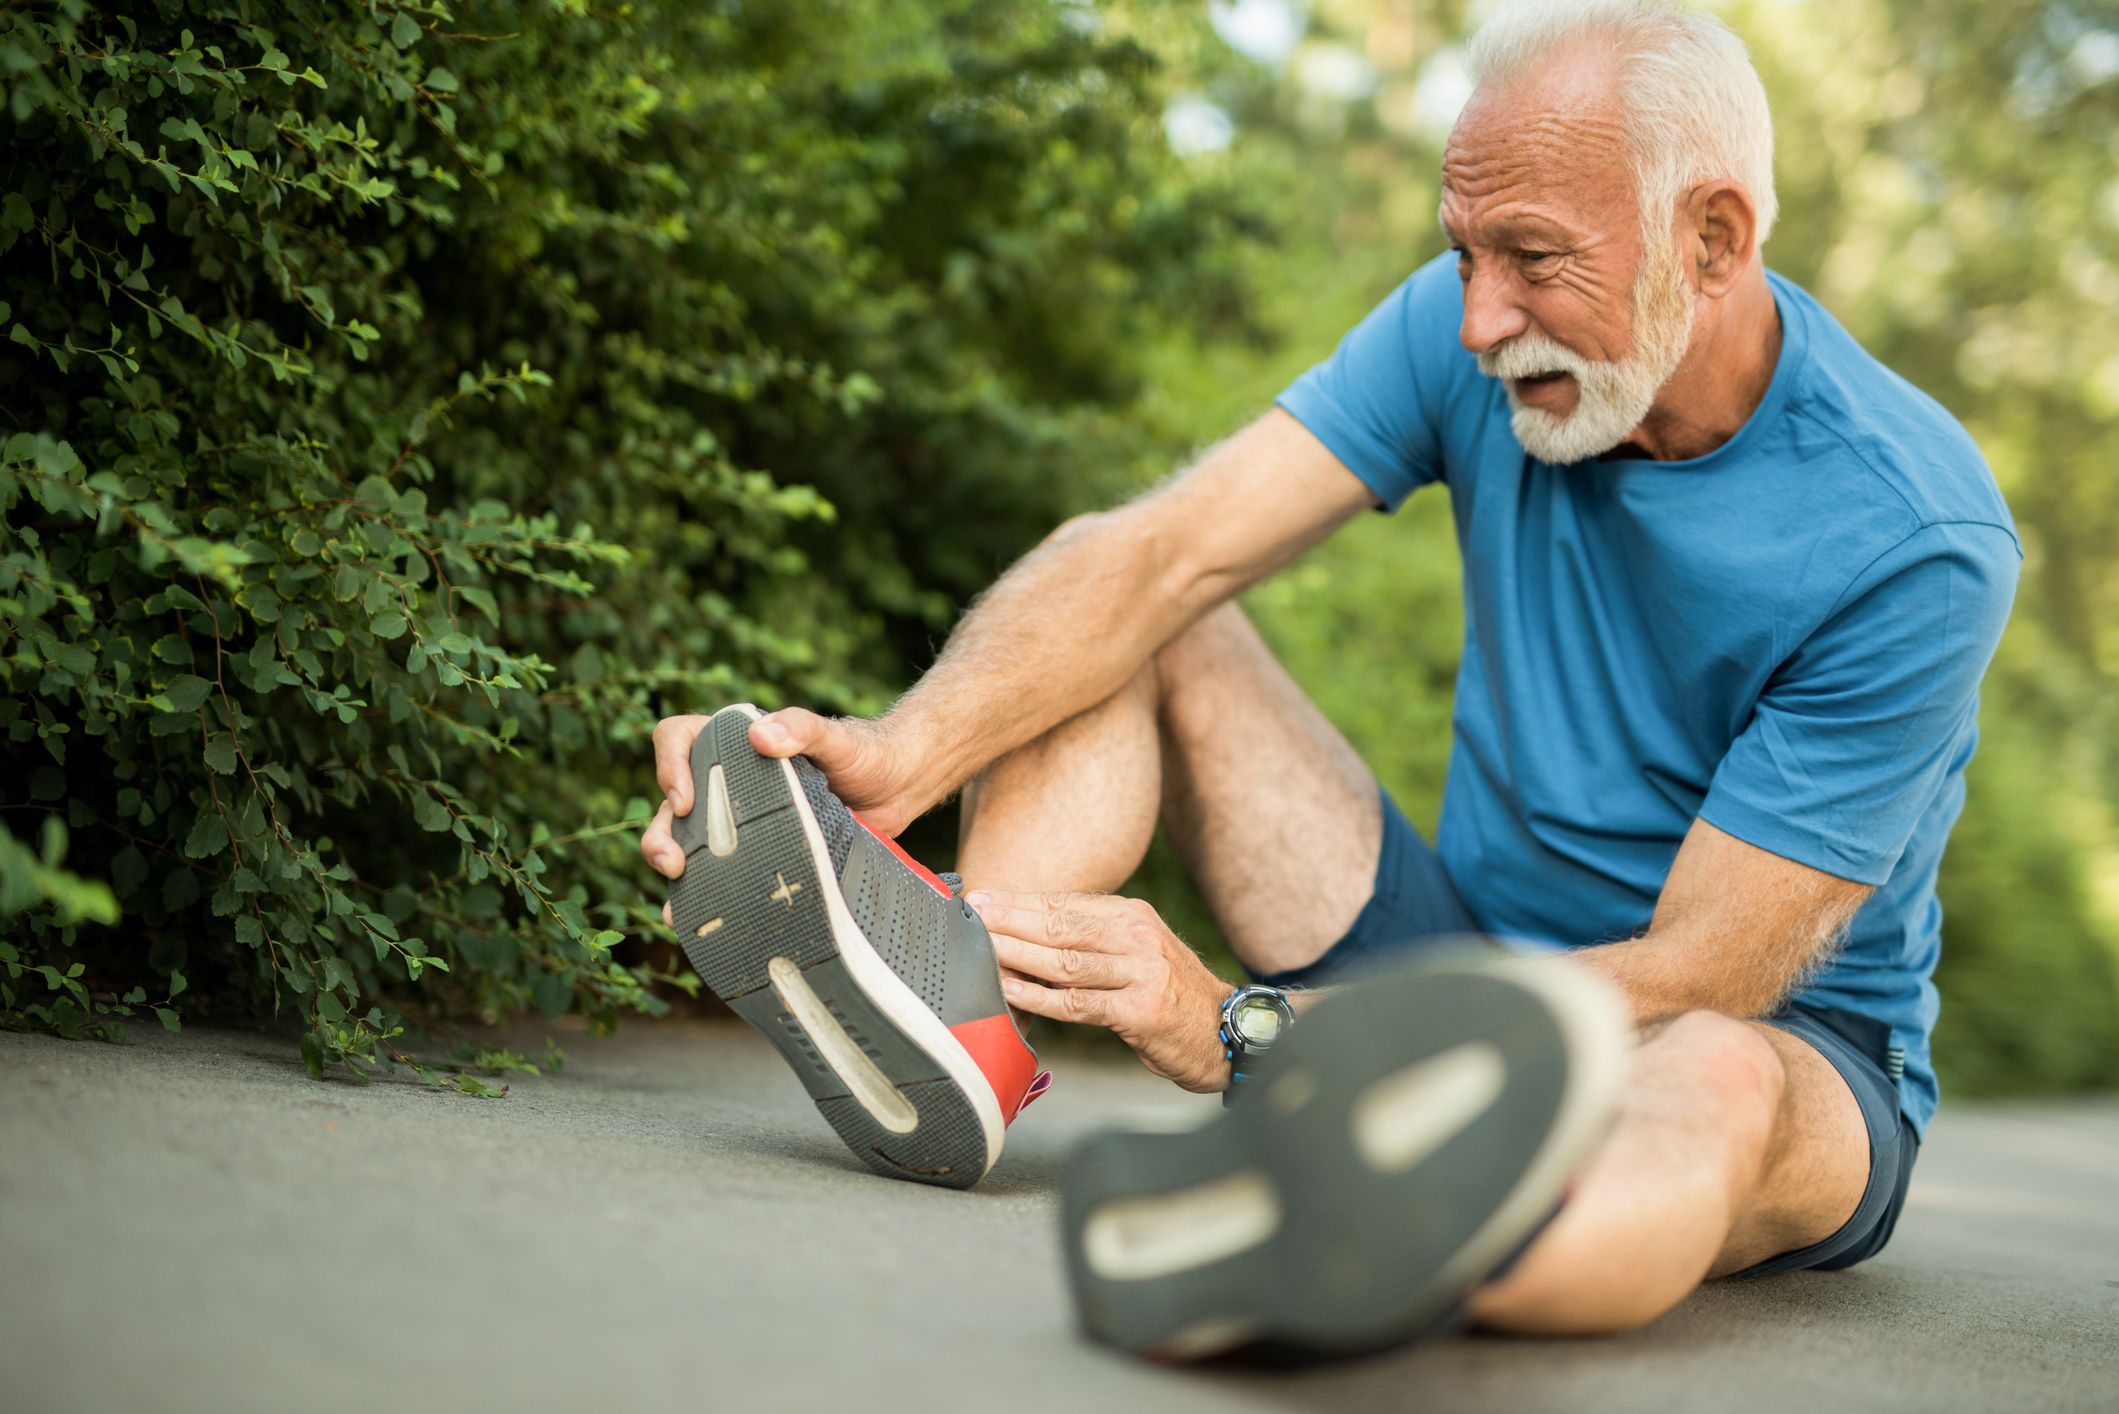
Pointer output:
1375, 402
1856, 733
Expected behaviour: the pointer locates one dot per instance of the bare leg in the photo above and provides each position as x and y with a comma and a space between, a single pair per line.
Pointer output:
1075, 808
1273, 814
1736, 1142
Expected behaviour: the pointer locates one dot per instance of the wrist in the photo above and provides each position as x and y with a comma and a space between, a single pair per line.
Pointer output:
924, 776
1252, 1020
1221, 1069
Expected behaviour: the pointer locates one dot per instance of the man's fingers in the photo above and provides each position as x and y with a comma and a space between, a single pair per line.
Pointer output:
1057, 919
659, 847
1089, 1008
795, 731
673, 759
667, 921
1066, 967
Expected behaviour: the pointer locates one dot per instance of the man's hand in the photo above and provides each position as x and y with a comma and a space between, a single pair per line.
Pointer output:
866, 764
1109, 961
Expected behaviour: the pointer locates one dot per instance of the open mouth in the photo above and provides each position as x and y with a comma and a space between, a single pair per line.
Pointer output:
1539, 387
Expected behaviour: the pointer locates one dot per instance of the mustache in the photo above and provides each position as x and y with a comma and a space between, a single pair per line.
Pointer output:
1532, 356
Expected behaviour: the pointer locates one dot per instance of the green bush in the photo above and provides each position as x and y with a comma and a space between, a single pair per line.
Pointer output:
406, 404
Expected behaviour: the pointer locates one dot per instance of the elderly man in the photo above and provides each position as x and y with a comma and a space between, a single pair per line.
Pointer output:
1730, 588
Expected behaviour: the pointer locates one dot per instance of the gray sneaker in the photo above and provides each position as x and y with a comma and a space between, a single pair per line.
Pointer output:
1404, 1141
868, 972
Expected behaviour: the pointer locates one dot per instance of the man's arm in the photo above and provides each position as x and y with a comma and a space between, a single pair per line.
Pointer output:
1072, 621
1735, 930
1062, 630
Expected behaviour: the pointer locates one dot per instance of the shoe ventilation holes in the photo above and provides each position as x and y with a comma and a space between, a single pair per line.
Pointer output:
906, 921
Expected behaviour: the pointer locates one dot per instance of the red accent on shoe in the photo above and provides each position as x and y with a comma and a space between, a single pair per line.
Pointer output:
903, 858
1009, 1065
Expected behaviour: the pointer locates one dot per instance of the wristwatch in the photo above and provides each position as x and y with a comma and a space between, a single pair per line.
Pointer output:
1252, 1019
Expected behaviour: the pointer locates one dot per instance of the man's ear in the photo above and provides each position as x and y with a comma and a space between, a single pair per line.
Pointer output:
1723, 226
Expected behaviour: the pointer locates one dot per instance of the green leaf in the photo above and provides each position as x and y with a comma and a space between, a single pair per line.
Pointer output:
169, 1018
337, 975
404, 31
440, 80
186, 691
180, 889
128, 870
220, 753
208, 837
312, 1055
430, 814
387, 625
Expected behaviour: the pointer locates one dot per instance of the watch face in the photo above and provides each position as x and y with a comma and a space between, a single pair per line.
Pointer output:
1257, 1020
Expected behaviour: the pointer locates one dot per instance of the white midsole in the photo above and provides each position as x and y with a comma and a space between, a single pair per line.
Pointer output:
884, 987
1407, 1115
1152, 1235
864, 1079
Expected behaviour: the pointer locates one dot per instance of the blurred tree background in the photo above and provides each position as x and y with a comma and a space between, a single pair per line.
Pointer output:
453, 389
1949, 184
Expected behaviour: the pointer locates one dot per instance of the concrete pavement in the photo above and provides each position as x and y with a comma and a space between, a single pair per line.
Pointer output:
190, 1223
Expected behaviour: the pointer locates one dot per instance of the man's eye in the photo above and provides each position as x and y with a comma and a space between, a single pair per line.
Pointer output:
1534, 257
1464, 263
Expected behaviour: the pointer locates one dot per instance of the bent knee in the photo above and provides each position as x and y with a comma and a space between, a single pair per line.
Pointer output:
1207, 645
1735, 1063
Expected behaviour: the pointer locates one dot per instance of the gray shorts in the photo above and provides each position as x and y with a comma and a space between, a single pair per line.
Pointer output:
1414, 902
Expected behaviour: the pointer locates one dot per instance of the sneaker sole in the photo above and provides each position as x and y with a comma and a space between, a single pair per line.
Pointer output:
759, 914
1407, 1137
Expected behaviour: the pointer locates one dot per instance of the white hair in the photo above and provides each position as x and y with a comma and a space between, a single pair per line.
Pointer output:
1693, 107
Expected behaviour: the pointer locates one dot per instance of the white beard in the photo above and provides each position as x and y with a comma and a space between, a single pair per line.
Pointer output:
1611, 397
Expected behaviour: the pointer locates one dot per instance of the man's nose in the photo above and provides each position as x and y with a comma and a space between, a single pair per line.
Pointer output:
1492, 315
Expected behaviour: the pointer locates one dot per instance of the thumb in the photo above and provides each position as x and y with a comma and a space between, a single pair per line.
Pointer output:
797, 731
846, 751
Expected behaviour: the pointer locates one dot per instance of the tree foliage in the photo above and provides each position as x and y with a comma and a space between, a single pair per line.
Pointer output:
404, 404
408, 403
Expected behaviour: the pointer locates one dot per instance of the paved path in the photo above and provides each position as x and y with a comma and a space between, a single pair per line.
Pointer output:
190, 1223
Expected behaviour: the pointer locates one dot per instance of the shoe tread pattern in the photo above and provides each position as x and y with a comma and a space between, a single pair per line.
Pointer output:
1350, 1265
770, 902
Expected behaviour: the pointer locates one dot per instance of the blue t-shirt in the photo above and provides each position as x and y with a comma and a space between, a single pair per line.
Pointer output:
1784, 637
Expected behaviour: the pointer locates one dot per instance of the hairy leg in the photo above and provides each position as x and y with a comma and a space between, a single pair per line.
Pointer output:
1072, 810
1736, 1142
1273, 814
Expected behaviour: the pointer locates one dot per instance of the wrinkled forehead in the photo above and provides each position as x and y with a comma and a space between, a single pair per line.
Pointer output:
1548, 147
